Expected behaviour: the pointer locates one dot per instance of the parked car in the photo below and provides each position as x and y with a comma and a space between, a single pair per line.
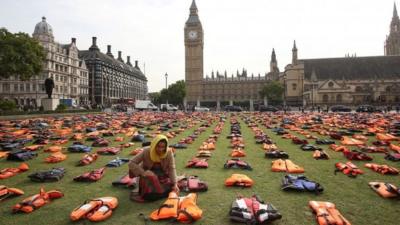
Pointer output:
340, 108
233, 108
366, 108
168, 107
268, 108
201, 109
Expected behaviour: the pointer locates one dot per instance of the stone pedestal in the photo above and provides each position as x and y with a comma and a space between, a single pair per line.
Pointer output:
251, 105
218, 105
50, 104
230, 102
198, 103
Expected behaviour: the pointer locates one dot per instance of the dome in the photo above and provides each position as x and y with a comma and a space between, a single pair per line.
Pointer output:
43, 28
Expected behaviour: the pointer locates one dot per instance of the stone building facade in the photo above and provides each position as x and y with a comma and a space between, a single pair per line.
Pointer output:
62, 64
111, 79
349, 80
219, 89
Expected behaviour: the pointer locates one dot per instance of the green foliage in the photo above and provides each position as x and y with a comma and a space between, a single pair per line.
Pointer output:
7, 105
174, 94
273, 91
155, 98
61, 107
20, 55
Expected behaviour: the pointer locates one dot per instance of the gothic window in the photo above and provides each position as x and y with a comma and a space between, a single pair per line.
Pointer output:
339, 98
325, 98
294, 87
330, 84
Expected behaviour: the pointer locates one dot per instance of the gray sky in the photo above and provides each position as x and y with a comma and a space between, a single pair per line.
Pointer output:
237, 33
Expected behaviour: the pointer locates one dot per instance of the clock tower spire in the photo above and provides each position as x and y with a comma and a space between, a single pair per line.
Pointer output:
194, 41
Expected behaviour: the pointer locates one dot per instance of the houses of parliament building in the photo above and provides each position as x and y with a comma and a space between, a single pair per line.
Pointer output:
307, 82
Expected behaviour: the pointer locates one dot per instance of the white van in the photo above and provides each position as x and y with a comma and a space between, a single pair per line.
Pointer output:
168, 107
145, 105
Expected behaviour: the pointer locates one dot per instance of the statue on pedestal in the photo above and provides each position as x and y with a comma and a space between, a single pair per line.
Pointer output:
49, 85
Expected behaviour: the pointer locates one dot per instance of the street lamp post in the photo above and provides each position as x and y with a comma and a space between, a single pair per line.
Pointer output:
166, 84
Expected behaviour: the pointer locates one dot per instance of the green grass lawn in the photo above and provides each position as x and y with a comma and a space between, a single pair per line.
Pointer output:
353, 197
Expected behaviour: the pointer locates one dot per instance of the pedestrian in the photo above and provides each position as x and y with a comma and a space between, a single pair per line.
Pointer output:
319, 109
155, 166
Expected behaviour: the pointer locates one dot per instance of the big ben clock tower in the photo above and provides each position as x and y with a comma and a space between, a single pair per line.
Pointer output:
193, 56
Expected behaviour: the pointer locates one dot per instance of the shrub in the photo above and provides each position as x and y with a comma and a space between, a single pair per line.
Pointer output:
61, 107
7, 105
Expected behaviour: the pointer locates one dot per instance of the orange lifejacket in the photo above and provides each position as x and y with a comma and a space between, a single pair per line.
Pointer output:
286, 165
240, 180
383, 169
385, 190
33, 147
119, 139
3, 154
77, 137
349, 169
95, 210
56, 157
168, 210
351, 141
385, 137
183, 209
6, 192
269, 147
9, 172
54, 148
293, 168
36, 201
395, 148
88, 159
320, 154
327, 214
238, 153
278, 165
203, 153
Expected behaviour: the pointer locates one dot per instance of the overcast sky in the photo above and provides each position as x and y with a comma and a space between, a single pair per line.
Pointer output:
237, 33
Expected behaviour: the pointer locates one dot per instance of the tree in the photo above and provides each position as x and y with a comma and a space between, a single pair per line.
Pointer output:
20, 55
155, 98
273, 91
174, 94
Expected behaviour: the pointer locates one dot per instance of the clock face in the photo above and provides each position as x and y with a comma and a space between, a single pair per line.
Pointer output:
192, 34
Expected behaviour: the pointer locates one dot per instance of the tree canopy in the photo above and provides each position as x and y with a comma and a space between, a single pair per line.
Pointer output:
174, 94
20, 55
273, 91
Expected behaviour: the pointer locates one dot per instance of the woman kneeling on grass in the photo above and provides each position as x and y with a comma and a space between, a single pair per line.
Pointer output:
155, 166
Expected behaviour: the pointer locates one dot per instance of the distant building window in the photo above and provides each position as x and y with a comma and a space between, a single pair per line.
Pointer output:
21, 87
325, 98
358, 89
294, 87
388, 89
339, 98
330, 84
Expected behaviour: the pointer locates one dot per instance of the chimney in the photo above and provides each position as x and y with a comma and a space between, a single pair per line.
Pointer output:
128, 60
109, 51
73, 40
136, 64
94, 45
120, 56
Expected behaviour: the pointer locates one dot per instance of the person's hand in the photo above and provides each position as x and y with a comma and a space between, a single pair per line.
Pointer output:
148, 173
175, 188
